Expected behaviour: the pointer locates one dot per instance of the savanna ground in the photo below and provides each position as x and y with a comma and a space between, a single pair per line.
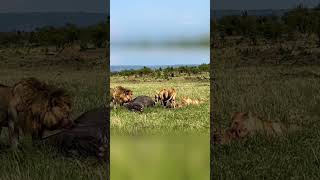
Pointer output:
83, 74
280, 83
158, 119
161, 143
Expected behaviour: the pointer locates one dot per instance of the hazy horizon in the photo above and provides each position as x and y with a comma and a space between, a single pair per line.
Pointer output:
118, 68
259, 5
20, 6
158, 56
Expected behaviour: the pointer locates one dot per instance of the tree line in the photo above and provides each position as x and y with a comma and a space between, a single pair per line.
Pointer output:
59, 37
165, 72
298, 21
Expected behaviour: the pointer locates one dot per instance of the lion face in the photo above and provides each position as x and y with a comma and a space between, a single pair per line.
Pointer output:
125, 97
156, 98
122, 95
50, 111
238, 124
57, 118
128, 96
59, 113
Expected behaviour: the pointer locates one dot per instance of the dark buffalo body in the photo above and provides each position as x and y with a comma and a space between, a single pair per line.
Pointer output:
139, 103
88, 136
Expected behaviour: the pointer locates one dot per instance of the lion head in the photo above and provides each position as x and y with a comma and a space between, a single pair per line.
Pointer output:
41, 107
122, 95
244, 123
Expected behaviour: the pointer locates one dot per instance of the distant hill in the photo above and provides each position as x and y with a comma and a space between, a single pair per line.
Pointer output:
30, 21
114, 68
266, 12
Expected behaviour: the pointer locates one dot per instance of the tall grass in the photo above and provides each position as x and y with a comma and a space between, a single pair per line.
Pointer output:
278, 93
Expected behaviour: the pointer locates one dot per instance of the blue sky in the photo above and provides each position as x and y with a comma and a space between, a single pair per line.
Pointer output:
154, 20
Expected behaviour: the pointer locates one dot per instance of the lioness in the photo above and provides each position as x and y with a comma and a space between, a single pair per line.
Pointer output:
120, 95
247, 124
189, 101
165, 96
185, 101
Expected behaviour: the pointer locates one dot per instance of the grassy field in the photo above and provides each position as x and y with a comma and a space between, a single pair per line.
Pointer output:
161, 150
286, 93
161, 120
158, 158
85, 80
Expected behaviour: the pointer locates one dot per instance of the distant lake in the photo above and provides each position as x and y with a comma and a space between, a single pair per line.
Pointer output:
151, 56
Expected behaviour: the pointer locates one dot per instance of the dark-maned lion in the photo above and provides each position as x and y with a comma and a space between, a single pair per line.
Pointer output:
33, 107
246, 124
120, 95
166, 96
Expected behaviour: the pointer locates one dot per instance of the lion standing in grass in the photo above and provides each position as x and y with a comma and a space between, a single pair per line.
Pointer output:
120, 95
33, 107
166, 96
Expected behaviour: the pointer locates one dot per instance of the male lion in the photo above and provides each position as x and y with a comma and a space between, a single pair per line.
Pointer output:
120, 95
166, 96
246, 124
33, 106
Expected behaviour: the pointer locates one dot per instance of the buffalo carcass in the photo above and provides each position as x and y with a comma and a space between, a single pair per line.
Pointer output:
139, 103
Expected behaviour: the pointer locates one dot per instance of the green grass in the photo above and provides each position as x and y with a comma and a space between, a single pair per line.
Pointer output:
158, 158
289, 94
87, 85
158, 119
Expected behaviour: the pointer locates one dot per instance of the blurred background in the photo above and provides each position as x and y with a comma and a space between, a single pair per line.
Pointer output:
159, 32
159, 158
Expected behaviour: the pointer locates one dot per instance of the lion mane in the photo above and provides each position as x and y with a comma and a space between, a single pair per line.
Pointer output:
120, 95
37, 106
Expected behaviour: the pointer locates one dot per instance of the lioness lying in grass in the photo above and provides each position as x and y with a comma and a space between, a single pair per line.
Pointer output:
246, 124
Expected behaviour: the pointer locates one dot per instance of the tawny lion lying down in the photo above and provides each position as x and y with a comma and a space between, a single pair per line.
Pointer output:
246, 124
